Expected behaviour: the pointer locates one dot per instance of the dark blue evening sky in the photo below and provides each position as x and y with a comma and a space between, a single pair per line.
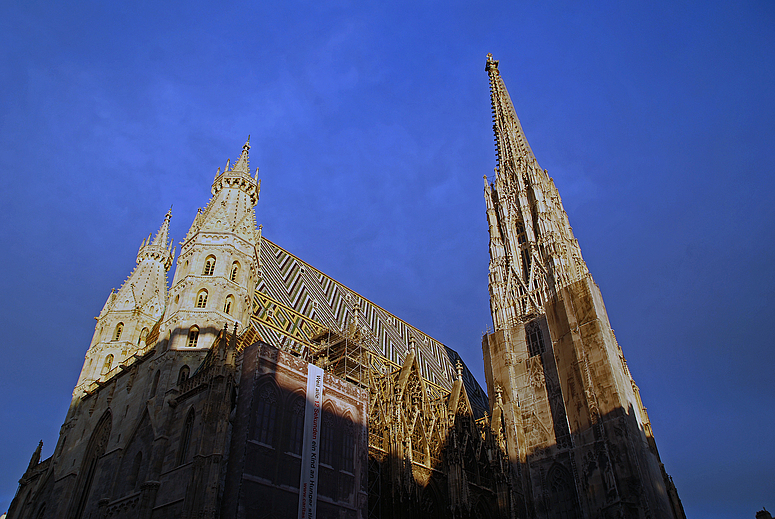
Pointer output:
370, 122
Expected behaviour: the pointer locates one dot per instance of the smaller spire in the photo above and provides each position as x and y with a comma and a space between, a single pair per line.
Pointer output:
161, 247
459, 367
35, 459
242, 164
162, 236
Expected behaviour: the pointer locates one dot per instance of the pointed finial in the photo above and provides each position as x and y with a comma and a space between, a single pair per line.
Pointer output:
35, 459
228, 162
492, 64
246, 146
256, 177
459, 367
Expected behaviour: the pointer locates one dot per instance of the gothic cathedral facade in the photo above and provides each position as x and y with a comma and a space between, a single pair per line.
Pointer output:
191, 401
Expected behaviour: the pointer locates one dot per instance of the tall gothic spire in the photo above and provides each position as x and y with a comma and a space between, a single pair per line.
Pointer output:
532, 249
567, 395
510, 141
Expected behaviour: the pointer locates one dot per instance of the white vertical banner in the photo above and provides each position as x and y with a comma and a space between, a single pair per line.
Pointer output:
308, 486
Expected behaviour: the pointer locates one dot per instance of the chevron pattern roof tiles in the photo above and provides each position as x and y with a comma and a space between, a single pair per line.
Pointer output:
300, 286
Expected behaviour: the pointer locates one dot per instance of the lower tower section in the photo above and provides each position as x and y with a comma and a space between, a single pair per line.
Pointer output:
580, 436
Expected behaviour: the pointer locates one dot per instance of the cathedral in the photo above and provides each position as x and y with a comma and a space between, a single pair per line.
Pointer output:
256, 386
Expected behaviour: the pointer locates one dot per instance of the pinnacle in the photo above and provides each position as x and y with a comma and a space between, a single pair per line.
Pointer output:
242, 164
162, 236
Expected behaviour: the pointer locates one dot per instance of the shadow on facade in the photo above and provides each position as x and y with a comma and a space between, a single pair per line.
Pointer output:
264, 470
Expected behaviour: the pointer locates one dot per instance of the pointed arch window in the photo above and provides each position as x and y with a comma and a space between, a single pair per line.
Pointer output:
183, 374
562, 493
185, 438
266, 415
327, 438
228, 305
94, 451
155, 384
118, 332
108, 364
193, 336
535, 340
234, 271
296, 440
521, 237
201, 299
143, 336
348, 445
209, 266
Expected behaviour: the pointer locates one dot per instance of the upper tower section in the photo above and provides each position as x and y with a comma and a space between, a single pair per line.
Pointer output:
533, 252
217, 268
235, 194
129, 314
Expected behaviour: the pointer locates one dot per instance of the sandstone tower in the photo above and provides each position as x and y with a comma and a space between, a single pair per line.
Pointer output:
578, 436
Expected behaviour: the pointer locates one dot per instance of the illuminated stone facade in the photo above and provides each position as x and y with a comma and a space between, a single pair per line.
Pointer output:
189, 401
579, 435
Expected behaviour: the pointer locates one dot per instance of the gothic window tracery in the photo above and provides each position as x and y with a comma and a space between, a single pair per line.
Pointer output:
108, 364
266, 415
183, 374
209, 266
94, 451
297, 426
193, 336
327, 438
562, 495
535, 339
348, 445
201, 299
119, 330
185, 437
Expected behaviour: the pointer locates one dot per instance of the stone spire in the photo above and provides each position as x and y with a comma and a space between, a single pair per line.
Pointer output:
131, 312
216, 270
533, 252
235, 194
160, 248
554, 369
510, 139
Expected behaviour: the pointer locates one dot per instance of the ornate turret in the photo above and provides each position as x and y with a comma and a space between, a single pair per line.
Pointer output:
131, 312
216, 271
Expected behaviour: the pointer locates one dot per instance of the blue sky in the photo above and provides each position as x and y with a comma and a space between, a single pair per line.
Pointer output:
370, 122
